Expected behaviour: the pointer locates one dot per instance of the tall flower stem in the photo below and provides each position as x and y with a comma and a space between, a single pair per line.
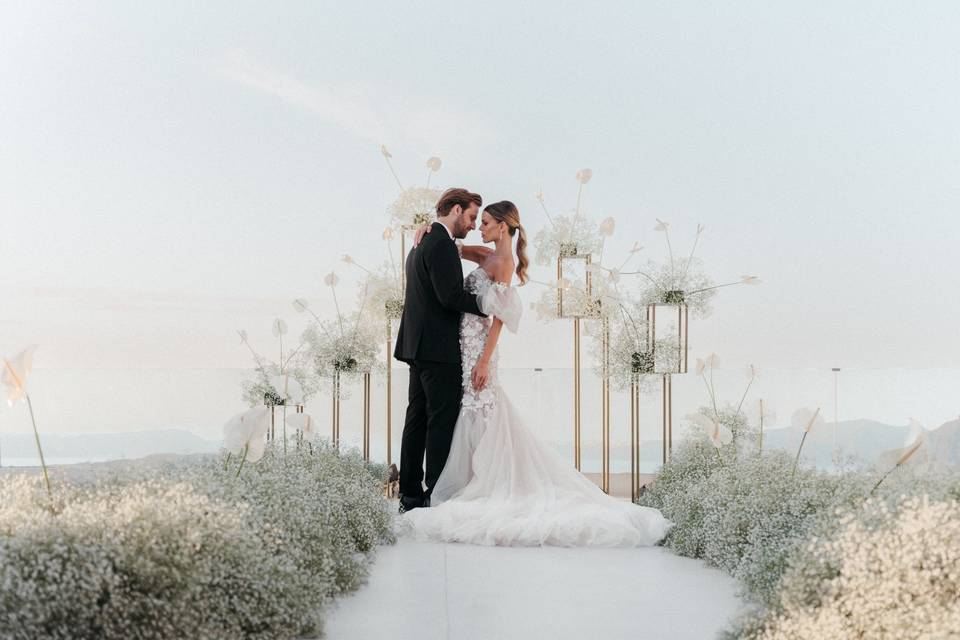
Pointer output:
226, 461
804, 439
243, 459
36, 436
337, 305
745, 391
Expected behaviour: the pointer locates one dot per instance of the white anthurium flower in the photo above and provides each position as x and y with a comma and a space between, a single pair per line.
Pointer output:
304, 423
287, 388
331, 279
347, 258
615, 276
15, 373
718, 434
700, 229
607, 226
383, 150
636, 247
539, 195
712, 361
749, 280
279, 328
243, 335
300, 305
752, 371
584, 175
807, 420
245, 433
661, 225
434, 163
388, 233
700, 367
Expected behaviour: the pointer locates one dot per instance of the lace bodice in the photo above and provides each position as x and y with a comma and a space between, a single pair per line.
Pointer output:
473, 338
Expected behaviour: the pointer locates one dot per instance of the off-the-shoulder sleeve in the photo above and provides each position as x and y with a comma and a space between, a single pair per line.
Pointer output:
502, 302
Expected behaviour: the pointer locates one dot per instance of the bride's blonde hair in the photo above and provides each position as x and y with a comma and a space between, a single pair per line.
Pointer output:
507, 212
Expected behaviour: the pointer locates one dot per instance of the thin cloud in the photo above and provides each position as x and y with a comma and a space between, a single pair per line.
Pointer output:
366, 111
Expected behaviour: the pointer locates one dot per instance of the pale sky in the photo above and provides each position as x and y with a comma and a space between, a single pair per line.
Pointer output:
172, 172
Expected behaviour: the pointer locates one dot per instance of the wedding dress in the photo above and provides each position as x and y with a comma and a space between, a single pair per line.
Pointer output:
502, 486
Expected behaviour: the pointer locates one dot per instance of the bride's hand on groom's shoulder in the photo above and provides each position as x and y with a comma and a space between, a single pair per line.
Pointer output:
421, 232
480, 375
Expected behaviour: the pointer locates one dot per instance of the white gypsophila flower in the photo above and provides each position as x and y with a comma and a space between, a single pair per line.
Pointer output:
659, 282
568, 235
349, 349
415, 206
189, 551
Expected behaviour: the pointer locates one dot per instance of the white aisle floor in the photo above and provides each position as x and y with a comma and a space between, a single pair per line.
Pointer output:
460, 592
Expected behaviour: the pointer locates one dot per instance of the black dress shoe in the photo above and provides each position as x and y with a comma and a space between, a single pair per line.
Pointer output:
413, 502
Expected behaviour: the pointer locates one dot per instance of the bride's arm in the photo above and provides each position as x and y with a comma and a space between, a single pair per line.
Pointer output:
472, 252
481, 371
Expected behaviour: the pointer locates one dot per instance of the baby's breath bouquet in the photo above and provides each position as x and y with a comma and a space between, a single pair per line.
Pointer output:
414, 206
345, 347
288, 380
567, 235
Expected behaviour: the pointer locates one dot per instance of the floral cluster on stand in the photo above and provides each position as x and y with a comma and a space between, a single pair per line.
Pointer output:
818, 554
615, 303
189, 551
343, 348
287, 380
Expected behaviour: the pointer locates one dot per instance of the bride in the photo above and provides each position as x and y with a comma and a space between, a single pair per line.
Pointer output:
500, 485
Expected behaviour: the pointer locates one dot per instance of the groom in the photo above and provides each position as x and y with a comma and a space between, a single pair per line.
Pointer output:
429, 341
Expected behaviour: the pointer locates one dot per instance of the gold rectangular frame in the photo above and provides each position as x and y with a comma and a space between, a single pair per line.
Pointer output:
682, 312
587, 260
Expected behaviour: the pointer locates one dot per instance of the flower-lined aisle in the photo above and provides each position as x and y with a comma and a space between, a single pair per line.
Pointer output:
858, 553
192, 550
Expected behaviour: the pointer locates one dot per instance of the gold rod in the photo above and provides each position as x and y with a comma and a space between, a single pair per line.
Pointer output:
663, 436
389, 393
576, 393
669, 416
634, 439
366, 419
606, 406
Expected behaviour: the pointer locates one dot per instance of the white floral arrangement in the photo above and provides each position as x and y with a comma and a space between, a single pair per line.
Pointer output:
286, 381
343, 348
414, 206
567, 235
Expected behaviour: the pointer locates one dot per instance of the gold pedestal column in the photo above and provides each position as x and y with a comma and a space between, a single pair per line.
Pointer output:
335, 436
389, 392
667, 417
366, 416
605, 473
576, 393
634, 438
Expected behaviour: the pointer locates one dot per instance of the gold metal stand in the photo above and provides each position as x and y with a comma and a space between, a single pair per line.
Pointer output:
336, 410
634, 438
576, 393
366, 416
667, 417
605, 473
389, 392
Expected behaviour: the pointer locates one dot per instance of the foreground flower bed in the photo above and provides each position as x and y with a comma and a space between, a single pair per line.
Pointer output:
818, 555
189, 551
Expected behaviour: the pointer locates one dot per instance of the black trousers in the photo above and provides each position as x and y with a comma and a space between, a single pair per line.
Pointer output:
433, 404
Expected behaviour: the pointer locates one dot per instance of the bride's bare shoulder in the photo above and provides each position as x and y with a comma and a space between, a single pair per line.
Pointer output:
499, 268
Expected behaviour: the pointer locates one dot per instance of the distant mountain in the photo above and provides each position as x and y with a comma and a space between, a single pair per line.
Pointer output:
863, 440
80, 447
941, 447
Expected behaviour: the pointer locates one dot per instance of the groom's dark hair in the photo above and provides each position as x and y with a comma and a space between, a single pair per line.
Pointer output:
457, 196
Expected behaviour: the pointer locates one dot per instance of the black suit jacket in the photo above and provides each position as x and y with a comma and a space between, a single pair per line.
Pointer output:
433, 302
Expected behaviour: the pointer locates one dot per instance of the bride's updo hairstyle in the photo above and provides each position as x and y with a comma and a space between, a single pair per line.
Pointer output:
506, 212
